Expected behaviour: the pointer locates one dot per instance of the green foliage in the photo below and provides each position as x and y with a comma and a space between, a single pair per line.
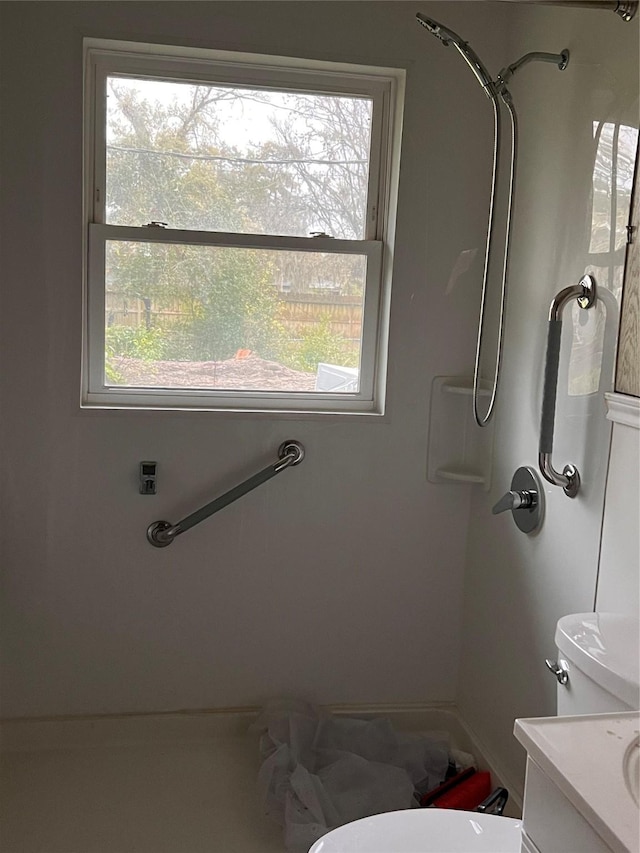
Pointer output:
136, 342
225, 296
319, 344
111, 373
169, 161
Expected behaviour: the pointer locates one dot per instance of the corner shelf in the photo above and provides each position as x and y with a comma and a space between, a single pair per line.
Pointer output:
459, 451
463, 385
460, 475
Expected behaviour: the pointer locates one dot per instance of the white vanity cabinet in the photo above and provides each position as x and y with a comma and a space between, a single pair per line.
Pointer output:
577, 797
551, 824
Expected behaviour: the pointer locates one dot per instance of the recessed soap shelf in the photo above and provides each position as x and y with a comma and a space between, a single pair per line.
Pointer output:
459, 450
463, 385
460, 475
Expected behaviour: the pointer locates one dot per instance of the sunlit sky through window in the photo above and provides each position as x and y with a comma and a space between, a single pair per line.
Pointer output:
246, 117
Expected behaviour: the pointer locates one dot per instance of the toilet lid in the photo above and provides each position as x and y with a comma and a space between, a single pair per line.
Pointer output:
424, 831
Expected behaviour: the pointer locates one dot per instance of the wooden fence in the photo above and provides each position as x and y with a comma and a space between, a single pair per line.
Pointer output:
297, 312
301, 311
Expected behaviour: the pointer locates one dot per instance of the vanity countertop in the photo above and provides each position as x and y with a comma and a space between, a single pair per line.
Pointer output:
585, 756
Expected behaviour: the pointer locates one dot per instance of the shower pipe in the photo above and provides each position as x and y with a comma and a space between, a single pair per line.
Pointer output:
496, 91
162, 533
626, 9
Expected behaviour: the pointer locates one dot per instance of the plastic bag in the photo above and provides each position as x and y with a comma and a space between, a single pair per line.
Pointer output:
319, 771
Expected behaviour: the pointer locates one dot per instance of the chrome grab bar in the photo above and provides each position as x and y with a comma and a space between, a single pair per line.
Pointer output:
585, 293
162, 533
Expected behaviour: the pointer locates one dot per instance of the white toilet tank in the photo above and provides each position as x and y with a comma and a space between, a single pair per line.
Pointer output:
601, 653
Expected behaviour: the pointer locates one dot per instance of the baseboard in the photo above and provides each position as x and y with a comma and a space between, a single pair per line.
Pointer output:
70, 732
91, 729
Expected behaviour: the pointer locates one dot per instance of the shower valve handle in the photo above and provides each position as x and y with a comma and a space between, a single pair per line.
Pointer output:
525, 499
515, 500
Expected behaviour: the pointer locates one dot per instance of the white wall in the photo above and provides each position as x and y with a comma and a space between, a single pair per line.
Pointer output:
619, 575
340, 580
517, 586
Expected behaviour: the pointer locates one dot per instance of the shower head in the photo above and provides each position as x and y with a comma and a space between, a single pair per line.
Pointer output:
448, 37
445, 35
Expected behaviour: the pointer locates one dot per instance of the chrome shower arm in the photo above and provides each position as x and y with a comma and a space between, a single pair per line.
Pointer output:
559, 59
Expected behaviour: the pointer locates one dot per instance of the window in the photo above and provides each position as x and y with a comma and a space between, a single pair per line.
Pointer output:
239, 224
614, 149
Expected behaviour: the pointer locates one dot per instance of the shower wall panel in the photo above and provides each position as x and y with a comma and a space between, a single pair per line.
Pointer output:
578, 135
340, 580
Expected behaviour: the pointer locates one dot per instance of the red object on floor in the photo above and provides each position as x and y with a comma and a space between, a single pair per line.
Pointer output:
468, 794
427, 799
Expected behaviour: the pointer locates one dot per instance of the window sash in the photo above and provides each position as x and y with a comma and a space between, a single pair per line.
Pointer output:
103, 64
96, 392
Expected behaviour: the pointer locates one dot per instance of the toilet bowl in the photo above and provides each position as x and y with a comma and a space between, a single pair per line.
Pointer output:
424, 831
597, 672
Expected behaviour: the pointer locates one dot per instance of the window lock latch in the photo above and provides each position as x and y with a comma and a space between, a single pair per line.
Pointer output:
156, 224
320, 234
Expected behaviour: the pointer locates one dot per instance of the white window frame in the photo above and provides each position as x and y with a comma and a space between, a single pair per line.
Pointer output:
383, 85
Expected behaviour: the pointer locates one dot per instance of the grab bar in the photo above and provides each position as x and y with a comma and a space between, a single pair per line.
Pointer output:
585, 293
162, 533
